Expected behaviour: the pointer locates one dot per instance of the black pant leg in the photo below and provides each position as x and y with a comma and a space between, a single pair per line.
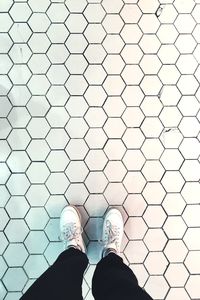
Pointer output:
113, 280
63, 280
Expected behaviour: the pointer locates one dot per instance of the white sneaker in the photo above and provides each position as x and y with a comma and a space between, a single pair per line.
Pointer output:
113, 229
71, 229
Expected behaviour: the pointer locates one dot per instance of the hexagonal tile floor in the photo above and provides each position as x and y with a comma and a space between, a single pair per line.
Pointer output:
99, 107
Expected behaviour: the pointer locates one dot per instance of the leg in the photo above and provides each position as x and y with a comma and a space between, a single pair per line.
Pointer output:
113, 280
63, 280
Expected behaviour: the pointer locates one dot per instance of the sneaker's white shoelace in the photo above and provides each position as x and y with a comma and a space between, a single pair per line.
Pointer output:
111, 235
70, 232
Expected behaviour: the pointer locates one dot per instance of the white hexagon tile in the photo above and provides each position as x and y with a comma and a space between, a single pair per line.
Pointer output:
99, 107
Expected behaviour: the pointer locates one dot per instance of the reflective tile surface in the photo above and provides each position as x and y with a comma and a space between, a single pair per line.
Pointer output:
99, 107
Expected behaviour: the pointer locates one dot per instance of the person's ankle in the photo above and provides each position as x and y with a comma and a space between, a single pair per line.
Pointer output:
106, 251
73, 246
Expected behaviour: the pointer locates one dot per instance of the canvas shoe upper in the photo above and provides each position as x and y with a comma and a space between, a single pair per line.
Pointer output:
71, 229
113, 229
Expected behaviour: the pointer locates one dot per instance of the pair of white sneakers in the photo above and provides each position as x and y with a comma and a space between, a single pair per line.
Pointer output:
71, 230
